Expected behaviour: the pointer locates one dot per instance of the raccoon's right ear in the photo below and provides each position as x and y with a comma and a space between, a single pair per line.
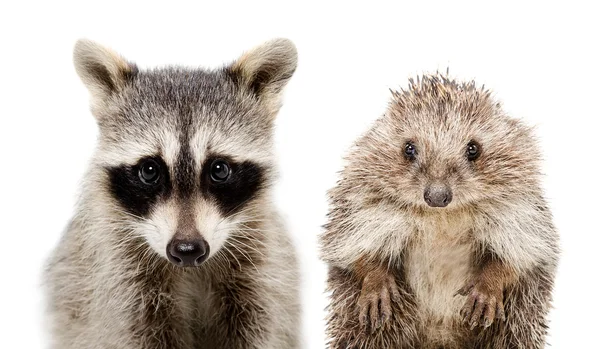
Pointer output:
102, 70
266, 69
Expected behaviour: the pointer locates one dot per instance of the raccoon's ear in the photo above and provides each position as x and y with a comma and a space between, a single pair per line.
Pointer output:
266, 69
102, 70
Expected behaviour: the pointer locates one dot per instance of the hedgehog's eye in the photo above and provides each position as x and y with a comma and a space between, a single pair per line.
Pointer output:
149, 172
410, 151
219, 171
473, 151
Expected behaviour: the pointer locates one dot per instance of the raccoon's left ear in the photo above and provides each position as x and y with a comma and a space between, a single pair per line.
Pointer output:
266, 69
102, 70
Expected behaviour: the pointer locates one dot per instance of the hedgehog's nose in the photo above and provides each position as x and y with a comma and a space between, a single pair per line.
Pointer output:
187, 253
438, 195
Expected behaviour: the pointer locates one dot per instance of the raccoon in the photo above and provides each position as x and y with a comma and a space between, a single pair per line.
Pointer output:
175, 242
438, 234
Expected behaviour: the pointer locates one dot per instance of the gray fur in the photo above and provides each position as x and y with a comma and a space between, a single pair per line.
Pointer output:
108, 282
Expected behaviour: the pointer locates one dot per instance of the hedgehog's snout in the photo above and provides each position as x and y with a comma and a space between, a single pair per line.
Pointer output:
438, 195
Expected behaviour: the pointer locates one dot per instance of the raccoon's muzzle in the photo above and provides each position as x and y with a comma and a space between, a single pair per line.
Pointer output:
188, 253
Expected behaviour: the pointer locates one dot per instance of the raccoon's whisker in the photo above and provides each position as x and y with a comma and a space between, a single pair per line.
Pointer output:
244, 210
245, 223
247, 227
221, 231
255, 247
232, 255
129, 214
244, 232
245, 256
219, 262
233, 238
256, 233
129, 235
141, 265
250, 240
119, 210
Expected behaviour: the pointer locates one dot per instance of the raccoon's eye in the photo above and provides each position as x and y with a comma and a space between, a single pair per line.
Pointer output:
472, 151
149, 172
410, 151
219, 171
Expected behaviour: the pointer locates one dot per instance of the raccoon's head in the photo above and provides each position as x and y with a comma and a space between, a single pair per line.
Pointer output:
448, 144
185, 155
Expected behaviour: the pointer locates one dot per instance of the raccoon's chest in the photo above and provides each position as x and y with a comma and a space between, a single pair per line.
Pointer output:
195, 299
438, 263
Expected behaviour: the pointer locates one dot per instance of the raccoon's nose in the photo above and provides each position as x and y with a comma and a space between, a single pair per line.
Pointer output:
187, 253
438, 195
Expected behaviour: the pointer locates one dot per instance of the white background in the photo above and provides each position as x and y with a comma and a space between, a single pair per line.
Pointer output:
541, 59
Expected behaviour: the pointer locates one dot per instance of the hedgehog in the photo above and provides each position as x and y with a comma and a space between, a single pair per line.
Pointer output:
438, 233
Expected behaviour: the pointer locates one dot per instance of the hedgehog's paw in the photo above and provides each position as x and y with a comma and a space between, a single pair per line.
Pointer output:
379, 289
484, 304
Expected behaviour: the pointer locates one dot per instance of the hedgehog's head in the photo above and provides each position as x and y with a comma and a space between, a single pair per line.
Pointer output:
446, 144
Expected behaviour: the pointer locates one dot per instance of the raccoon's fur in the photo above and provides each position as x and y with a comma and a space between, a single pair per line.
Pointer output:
154, 180
438, 234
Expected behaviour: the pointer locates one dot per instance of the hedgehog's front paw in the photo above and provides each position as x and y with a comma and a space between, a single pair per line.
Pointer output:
379, 289
485, 302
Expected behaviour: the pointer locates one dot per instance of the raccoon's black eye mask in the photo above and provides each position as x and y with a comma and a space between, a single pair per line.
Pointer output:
223, 181
137, 188
231, 184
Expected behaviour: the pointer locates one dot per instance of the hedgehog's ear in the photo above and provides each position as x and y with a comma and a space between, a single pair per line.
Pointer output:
266, 69
102, 70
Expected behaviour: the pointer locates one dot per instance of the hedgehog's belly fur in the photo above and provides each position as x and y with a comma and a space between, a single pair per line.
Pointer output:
437, 265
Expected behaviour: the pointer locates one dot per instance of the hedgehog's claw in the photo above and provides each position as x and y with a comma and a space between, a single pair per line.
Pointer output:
375, 301
482, 306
